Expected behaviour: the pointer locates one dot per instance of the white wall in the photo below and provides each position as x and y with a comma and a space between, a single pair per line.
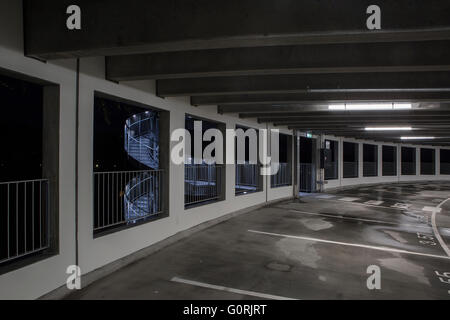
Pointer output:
39, 278
360, 180
97, 252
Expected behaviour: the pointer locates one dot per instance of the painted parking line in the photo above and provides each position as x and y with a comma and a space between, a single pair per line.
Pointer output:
360, 219
374, 202
349, 199
232, 290
432, 209
435, 229
366, 205
402, 206
357, 245
325, 196
417, 202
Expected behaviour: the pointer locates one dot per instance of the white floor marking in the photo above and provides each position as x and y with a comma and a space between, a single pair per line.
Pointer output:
366, 205
360, 219
435, 229
325, 196
418, 202
374, 202
385, 249
401, 205
432, 209
348, 199
238, 291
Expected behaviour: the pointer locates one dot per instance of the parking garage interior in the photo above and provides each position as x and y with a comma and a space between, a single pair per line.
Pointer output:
93, 105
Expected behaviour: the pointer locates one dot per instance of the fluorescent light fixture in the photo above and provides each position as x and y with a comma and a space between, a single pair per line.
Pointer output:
402, 106
417, 138
374, 106
388, 129
370, 106
336, 107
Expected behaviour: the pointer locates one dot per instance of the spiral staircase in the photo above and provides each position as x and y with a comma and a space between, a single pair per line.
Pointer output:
141, 197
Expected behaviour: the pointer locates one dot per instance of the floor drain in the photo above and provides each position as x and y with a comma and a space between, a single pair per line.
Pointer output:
279, 267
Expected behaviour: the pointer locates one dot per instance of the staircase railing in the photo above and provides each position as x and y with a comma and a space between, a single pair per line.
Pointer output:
143, 196
144, 125
118, 197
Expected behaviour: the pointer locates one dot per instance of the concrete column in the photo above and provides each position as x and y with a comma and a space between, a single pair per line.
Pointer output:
176, 172
399, 162
418, 161
361, 160
164, 158
296, 144
230, 171
50, 161
223, 172
438, 161
341, 161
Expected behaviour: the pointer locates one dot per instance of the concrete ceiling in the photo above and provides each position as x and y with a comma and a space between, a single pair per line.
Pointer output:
278, 61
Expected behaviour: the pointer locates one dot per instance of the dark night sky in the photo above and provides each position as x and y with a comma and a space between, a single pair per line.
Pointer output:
370, 153
445, 156
389, 154
306, 147
109, 123
20, 130
408, 154
350, 152
427, 155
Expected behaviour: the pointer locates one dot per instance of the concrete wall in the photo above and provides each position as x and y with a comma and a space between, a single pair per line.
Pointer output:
360, 180
39, 278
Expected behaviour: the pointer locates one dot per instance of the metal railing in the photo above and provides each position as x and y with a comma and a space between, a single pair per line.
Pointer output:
126, 197
389, 168
350, 170
24, 218
370, 169
202, 183
283, 177
141, 140
408, 168
331, 170
307, 174
247, 178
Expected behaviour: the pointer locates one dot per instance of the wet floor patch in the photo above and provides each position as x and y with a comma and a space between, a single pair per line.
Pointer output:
318, 247
316, 224
277, 266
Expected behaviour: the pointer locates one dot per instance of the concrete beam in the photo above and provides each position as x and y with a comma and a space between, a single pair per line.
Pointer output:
301, 109
334, 58
386, 138
241, 100
332, 124
391, 114
142, 26
403, 81
365, 134
328, 119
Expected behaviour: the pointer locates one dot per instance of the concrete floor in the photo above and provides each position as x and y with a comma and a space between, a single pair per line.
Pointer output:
315, 248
